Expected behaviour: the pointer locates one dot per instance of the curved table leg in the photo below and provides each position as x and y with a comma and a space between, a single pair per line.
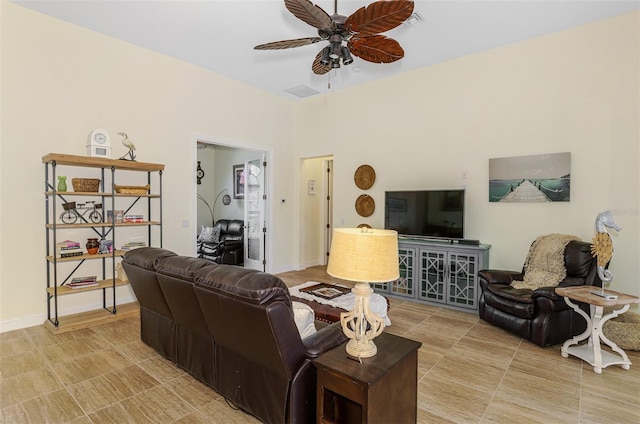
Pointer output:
608, 342
580, 337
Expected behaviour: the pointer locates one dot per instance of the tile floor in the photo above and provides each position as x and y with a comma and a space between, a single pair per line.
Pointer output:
468, 372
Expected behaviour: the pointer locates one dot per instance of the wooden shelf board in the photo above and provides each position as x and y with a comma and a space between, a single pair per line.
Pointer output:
103, 224
99, 194
87, 256
73, 160
102, 284
88, 319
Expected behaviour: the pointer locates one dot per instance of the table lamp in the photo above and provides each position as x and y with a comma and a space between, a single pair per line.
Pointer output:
363, 255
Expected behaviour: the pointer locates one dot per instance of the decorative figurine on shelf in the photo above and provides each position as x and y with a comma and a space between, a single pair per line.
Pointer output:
129, 144
602, 247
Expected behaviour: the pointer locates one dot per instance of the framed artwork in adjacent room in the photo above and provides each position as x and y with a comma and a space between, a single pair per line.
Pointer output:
238, 181
530, 179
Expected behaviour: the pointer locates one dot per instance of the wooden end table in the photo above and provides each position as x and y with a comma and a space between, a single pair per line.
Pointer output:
381, 389
591, 352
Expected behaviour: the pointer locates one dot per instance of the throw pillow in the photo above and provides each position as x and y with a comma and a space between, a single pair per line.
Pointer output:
304, 317
209, 235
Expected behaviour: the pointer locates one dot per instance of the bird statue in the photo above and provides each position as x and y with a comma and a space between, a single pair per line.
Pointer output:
129, 144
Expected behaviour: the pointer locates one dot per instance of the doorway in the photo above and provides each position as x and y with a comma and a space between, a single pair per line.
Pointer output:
222, 191
316, 204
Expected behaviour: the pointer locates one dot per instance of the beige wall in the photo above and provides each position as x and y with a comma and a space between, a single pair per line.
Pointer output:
576, 91
59, 82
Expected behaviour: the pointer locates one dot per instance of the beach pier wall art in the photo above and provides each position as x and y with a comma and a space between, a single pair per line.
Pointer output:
530, 179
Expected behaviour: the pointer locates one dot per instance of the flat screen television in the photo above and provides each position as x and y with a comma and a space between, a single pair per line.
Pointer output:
435, 214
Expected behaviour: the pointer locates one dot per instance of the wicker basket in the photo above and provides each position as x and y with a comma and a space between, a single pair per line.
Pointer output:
365, 205
364, 177
86, 184
132, 189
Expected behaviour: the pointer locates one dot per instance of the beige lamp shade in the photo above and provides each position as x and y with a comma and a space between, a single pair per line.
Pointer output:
364, 255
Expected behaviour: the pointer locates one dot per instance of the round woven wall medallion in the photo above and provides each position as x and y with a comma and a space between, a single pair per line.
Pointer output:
365, 205
364, 177
364, 226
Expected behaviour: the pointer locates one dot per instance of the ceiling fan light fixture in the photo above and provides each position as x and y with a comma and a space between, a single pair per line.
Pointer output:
347, 59
361, 31
325, 59
336, 49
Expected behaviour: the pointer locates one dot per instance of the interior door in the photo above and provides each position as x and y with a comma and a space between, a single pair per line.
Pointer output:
255, 228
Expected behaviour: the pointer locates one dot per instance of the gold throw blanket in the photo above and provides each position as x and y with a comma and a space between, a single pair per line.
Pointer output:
544, 266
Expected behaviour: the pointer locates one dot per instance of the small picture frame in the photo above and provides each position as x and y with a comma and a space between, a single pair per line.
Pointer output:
238, 181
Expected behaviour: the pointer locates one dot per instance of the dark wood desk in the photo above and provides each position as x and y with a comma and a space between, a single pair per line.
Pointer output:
381, 389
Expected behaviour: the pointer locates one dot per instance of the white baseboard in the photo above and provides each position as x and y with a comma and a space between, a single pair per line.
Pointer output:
38, 319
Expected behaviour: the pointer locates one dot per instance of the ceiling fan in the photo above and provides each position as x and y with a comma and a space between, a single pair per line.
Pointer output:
360, 31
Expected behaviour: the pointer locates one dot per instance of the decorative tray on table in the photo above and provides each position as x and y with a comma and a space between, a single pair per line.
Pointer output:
326, 291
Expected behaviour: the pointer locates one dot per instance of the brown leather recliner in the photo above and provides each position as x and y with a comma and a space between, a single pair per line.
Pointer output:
228, 248
232, 328
540, 316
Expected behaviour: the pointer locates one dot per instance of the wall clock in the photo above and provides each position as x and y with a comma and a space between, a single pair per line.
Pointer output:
99, 144
199, 173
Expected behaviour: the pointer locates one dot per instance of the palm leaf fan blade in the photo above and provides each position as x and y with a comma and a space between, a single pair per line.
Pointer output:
376, 49
308, 13
287, 44
317, 67
379, 17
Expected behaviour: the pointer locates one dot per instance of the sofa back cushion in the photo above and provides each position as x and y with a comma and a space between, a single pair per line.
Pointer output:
140, 264
147, 257
244, 284
184, 267
175, 276
250, 313
232, 229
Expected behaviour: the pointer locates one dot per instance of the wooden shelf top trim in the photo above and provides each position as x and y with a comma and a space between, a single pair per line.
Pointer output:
102, 284
74, 160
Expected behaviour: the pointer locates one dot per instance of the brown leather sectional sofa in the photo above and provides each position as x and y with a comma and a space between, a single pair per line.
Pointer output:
231, 328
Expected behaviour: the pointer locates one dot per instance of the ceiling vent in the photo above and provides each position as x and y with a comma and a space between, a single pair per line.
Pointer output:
302, 91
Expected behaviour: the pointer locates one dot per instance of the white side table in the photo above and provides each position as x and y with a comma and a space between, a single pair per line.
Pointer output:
591, 352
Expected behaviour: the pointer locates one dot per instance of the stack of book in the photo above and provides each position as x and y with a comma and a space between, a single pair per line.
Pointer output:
133, 218
133, 245
68, 249
82, 282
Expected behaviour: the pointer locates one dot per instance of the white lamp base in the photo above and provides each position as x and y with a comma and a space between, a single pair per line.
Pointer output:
361, 325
